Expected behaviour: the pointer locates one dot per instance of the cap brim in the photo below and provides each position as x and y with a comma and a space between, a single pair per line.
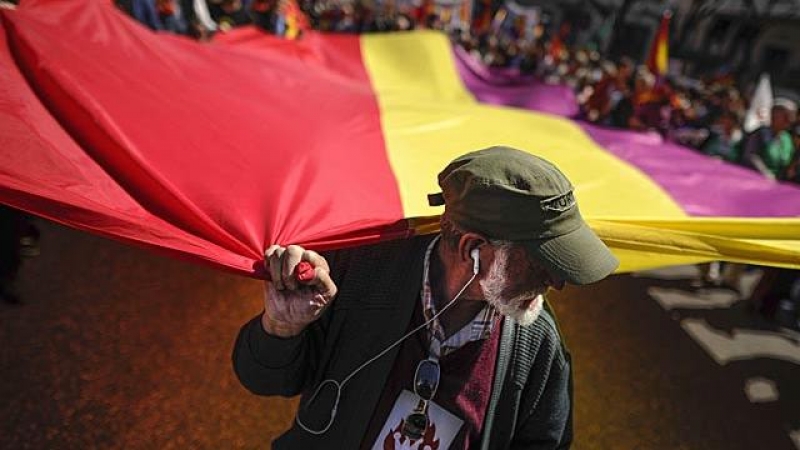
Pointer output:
578, 257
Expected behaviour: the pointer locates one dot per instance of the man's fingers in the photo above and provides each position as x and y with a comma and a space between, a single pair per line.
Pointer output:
292, 257
274, 263
282, 264
272, 249
316, 259
323, 283
268, 254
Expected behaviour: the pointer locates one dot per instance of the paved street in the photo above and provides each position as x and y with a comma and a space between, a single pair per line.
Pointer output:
116, 347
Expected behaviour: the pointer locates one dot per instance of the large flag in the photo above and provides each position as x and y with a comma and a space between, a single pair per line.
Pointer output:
658, 56
214, 152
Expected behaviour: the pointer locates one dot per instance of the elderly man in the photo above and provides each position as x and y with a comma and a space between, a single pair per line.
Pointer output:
437, 341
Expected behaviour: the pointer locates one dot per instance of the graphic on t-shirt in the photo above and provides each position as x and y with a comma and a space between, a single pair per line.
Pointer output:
442, 428
395, 440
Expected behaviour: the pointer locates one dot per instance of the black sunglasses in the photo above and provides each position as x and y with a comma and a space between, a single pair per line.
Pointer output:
426, 381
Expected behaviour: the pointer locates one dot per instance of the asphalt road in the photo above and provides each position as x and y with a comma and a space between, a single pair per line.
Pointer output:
117, 347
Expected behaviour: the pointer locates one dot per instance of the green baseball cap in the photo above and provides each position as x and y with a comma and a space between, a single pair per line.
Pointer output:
507, 194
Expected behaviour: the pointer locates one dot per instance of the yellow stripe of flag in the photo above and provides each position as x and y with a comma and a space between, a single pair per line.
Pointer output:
429, 118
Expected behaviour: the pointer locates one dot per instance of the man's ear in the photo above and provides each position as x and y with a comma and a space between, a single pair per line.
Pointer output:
469, 250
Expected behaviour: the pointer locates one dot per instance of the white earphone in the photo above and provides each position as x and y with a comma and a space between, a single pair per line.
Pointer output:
476, 260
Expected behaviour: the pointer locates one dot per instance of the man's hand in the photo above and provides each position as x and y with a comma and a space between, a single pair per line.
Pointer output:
290, 305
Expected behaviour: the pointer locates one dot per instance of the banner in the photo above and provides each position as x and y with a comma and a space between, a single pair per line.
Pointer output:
214, 152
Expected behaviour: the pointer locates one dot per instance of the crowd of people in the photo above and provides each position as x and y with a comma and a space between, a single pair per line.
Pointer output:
203, 18
200, 19
707, 115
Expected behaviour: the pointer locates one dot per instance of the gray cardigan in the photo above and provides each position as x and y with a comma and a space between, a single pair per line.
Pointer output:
531, 402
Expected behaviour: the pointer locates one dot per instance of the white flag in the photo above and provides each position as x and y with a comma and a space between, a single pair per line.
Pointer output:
758, 115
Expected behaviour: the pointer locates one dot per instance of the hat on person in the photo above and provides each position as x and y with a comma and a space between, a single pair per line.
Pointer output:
786, 103
789, 105
508, 194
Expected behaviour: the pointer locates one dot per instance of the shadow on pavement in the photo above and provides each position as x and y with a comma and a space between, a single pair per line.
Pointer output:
642, 381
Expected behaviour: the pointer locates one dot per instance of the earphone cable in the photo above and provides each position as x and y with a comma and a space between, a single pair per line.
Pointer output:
340, 385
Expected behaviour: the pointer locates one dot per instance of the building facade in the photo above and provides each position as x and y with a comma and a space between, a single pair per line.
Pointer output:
743, 38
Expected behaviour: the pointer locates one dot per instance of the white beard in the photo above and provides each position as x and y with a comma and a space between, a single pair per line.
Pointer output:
514, 310
493, 286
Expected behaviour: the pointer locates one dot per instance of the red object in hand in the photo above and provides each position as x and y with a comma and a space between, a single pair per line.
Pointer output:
304, 271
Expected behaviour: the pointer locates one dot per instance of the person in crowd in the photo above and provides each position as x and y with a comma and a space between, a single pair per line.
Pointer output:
144, 11
18, 238
599, 104
622, 114
158, 15
622, 97
724, 137
777, 293
171, 16
715, 103
10, 257
229, 13
442, 338
199, 23
793, 170
770, 149
777, 296
265, 14
531, 58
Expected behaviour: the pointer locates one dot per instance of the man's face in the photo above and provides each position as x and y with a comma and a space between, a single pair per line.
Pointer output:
781, 118
515, 284
727, 123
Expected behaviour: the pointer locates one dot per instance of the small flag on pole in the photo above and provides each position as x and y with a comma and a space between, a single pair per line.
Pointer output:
294, 20
658, 58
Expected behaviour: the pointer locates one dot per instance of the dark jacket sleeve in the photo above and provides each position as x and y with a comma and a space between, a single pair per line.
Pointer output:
270, 365
546, 419
550, 425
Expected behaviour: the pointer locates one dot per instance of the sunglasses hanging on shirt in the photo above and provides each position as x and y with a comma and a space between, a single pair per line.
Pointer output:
426, 381
424, 369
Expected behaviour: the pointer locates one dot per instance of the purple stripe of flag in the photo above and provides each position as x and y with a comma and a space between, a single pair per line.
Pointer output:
701, 185
504, 87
